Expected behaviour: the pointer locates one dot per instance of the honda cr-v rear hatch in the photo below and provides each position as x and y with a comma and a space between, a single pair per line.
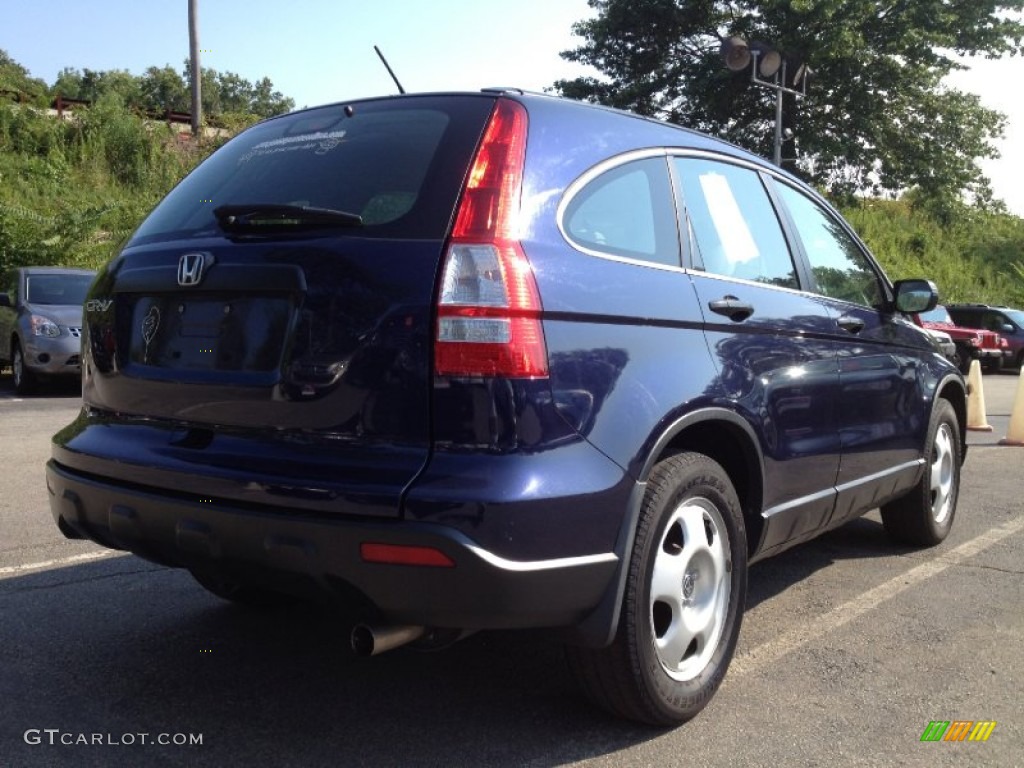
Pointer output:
268, 329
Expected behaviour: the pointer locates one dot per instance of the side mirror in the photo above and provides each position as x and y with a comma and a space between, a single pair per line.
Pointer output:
916, 295
5, 300
1008, 329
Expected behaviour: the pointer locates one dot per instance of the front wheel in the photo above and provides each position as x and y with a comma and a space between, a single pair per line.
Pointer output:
924, 516
24, 381
683, 602
992, 365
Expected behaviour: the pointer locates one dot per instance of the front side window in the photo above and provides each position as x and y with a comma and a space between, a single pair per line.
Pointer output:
733, 223
994, 321
626, 212
1014, 316
840, 268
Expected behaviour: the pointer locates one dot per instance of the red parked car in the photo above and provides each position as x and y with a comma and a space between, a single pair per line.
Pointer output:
971, 343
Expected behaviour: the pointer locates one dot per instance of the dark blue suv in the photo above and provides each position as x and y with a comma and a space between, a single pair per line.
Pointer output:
498, 360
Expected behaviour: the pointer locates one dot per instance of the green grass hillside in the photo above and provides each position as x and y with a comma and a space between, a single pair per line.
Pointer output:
72, 190
971, 254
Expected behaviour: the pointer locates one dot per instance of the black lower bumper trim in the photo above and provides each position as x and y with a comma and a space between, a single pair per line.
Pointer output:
481, 591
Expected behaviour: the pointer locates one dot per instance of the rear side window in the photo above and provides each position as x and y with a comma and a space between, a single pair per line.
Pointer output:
840, 268
627, 212
397, 164
733, 223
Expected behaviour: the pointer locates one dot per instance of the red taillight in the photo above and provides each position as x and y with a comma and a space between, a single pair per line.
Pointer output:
488, 318
402, 554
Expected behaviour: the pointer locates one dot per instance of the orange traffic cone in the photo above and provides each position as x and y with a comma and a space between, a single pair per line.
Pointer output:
1015, 432
976, 418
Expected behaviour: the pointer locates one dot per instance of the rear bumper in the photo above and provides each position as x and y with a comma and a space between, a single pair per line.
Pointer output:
317, 555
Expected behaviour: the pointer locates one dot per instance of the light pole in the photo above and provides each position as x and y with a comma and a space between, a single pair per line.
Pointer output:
195, 69
767, 68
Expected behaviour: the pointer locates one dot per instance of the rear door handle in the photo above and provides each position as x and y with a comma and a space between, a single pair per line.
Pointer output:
850, 323
732, 307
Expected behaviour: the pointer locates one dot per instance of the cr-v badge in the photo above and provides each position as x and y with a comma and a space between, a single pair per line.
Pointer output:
191, 267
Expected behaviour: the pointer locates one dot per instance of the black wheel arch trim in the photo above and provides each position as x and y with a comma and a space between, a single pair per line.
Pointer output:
599, 627
949, 383
691, 419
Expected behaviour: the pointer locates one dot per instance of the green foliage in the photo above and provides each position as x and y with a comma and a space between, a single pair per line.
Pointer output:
16, 81
71, 190
91, 85
875, 117
975, 256
162, 89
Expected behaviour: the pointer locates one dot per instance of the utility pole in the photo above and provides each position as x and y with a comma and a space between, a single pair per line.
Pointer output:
195, 70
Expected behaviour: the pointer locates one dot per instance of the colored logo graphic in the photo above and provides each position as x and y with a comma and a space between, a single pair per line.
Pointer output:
958, 730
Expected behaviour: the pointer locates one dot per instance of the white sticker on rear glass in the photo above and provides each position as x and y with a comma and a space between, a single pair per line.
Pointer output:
321, 141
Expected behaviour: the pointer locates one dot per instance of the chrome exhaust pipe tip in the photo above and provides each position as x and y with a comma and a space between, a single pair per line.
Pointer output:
368, 640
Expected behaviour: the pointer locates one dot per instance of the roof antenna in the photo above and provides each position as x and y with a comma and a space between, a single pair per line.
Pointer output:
390, 72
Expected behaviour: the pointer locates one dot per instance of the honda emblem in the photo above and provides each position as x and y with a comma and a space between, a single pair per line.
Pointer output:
191, 267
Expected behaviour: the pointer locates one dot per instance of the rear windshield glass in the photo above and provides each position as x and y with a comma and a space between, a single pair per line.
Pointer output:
56, 288
397, 163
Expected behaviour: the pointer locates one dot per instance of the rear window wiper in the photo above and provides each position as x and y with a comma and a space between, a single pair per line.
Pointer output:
257, 217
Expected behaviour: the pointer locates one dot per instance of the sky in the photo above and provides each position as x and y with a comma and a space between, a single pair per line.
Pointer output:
321, 51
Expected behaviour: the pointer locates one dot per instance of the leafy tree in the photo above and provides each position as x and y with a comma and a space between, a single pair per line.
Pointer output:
164, 89
228, 97
15, 79
229, 93
267, 102
235, 92
876, 116
91, 84
68, 83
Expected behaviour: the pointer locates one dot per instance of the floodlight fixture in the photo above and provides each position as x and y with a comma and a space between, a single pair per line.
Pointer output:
769, 60
801, 73
736, 54
768, 67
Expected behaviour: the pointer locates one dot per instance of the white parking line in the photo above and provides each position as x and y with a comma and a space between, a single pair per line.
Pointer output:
10, 570
843, 614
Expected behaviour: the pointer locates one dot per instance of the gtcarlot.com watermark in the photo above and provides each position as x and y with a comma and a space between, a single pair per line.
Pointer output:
55, 736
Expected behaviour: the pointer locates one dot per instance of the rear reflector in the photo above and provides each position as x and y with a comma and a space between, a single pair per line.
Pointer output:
401, 554
488, 306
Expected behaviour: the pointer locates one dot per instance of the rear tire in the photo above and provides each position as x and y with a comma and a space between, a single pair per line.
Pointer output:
683, 602
924, 516
992, 365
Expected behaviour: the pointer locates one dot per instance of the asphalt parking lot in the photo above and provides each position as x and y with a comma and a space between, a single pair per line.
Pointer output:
850, 647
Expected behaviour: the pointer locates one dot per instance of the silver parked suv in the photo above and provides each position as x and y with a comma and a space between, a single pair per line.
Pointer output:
41, 322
